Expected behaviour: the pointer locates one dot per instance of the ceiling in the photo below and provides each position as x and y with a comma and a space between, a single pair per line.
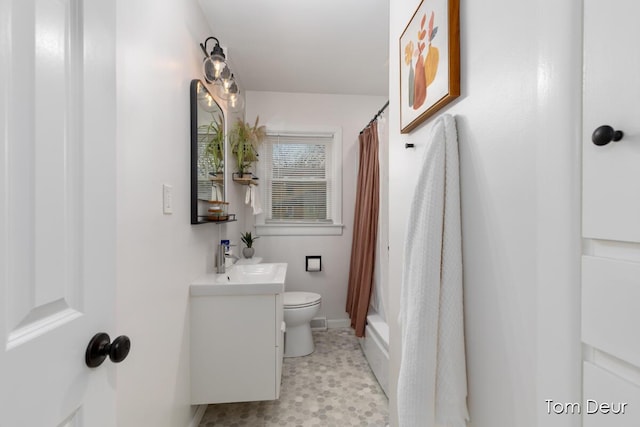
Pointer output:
309, 46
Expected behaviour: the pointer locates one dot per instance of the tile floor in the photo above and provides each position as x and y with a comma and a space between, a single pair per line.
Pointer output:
333, 386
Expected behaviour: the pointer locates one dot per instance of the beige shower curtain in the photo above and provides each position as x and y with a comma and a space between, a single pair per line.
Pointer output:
365, 230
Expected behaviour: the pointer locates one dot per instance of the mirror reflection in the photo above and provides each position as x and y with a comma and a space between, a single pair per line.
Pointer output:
207, 155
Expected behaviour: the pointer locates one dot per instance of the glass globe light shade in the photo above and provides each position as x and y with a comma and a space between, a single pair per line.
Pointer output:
208, 70
224, 87
225, 75
235, 102
220, 92
218, 63
214, 68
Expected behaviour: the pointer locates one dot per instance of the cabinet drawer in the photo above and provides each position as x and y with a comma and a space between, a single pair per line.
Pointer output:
610, 301
609, 400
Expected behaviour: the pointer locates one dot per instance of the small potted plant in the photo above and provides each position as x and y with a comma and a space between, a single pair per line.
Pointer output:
248, 240
244, 140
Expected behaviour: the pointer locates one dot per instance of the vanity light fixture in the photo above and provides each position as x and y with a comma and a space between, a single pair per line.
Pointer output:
217, 71
215, 62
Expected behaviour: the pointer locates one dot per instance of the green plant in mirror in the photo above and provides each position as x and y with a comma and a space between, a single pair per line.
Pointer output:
248, 239
211, 139
244, 140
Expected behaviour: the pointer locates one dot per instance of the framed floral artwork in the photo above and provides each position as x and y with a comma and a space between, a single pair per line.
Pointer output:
429, 61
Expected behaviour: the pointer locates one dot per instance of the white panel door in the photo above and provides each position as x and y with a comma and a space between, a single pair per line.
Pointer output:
57, 210
611, 213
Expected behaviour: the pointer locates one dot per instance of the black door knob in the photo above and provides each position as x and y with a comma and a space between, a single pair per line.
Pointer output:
605, 134
101, 346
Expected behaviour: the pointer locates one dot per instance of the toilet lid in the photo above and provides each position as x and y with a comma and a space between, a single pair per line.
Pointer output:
300, 299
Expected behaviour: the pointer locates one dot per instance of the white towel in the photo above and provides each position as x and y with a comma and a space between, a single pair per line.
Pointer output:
432, 383
255, 200
247, 196
251, 197
216, 193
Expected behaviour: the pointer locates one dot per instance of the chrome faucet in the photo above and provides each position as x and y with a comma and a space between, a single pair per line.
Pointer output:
220, 258
234, 258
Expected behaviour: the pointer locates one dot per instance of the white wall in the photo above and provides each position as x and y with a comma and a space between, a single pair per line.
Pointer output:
518, 122
158, 255
312, 111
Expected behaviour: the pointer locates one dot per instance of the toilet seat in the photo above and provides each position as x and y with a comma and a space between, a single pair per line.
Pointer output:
300, 299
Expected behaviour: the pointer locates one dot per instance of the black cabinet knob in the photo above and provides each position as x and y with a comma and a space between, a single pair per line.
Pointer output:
605, 134
101, 346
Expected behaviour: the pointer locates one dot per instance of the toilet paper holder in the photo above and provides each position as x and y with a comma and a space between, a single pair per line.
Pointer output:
313, 263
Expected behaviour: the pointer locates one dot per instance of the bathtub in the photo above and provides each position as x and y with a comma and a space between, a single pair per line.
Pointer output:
375, 345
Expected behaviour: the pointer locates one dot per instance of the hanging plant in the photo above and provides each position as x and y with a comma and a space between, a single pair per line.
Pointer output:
212, 138
244, 140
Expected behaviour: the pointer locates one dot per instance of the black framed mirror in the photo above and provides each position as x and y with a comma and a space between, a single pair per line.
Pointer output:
208, 138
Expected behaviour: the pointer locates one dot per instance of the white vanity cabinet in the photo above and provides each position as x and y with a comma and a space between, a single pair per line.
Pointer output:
236, 345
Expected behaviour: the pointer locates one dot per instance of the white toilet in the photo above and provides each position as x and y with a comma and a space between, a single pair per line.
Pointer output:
299, 309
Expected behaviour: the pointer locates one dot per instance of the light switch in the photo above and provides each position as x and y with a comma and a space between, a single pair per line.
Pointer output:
167, 199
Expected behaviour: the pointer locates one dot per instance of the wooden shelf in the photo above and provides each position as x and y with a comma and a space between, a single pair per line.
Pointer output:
245, 181
214, 202
204, 219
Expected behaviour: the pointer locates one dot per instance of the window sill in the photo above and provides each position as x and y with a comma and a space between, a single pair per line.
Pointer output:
299, 229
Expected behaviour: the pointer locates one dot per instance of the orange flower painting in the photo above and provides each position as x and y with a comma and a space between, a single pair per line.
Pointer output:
429, 61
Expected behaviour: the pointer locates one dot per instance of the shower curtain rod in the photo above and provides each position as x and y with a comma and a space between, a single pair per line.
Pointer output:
376, 116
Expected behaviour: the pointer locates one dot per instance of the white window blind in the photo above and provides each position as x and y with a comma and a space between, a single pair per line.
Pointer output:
299, 178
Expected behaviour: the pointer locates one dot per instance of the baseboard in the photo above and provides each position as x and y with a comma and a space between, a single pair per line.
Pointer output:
338, 323
197, 417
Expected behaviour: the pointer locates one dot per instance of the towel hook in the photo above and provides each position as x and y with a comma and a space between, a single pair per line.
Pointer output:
408, 145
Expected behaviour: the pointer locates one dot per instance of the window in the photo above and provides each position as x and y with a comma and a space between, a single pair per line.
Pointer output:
299, 185
302, 183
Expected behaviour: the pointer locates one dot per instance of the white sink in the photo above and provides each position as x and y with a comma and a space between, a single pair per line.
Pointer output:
248, 279
253, 273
